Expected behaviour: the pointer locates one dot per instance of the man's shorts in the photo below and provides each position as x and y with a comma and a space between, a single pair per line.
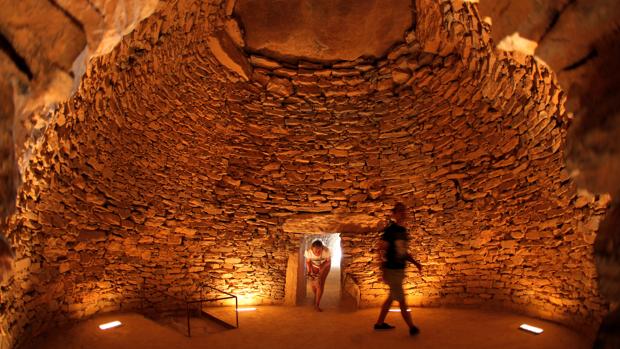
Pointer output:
394, 279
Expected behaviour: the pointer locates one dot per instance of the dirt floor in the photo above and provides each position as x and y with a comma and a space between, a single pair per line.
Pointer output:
276, 327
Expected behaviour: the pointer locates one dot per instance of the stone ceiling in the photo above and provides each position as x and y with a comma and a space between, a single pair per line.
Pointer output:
324, 30
579, 40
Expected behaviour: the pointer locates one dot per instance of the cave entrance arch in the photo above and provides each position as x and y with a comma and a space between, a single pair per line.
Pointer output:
327, 227
332, 292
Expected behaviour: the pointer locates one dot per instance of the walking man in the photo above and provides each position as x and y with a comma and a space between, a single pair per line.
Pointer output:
394, 255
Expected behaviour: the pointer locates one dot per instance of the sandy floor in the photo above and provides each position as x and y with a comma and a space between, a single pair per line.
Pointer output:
299, 327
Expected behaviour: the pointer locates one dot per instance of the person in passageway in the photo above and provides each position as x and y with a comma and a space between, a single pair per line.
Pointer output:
318, 262
394, 255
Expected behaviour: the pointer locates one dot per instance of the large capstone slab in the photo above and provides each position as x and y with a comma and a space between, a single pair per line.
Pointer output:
324, 30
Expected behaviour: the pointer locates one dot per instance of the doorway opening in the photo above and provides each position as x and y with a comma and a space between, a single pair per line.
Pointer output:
332, 292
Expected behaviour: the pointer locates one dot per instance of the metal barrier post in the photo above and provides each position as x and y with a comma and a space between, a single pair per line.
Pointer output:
237, 311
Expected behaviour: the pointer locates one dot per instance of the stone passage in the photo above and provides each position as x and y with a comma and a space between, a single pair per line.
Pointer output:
186, 157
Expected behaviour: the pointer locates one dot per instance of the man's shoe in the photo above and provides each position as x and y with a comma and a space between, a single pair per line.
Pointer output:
413, 331
384, 326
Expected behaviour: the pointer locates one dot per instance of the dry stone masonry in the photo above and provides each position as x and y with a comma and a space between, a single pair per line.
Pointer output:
579, 40
44, 49
183, 159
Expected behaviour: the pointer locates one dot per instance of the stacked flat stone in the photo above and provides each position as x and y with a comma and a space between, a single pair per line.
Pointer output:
167, 170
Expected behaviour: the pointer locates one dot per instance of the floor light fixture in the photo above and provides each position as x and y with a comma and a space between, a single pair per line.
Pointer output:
531, 328
108, 325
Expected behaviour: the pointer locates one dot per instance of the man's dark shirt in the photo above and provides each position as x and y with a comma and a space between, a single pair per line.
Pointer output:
396, 253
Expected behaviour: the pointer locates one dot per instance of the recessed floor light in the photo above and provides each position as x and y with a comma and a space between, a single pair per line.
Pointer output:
531, 328
108, 325
398, 310
245, 309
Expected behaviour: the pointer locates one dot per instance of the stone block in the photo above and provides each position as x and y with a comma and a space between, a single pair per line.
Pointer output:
228, 54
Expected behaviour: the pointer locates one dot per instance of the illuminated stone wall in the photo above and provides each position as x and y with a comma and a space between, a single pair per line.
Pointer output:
167, 170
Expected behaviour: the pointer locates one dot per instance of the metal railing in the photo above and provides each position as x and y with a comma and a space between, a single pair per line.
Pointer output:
190, 302
204, 299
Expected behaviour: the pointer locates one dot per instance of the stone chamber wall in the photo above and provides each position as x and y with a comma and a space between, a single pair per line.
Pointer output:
167, 170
